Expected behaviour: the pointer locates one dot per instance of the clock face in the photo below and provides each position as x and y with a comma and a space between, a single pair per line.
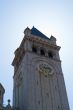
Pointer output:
45, 69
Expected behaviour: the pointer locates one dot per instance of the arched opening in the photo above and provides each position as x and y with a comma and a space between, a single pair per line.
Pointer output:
42, 52
50, 54
34, 49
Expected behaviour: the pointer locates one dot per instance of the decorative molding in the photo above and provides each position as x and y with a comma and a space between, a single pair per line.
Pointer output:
18, 56
32, 38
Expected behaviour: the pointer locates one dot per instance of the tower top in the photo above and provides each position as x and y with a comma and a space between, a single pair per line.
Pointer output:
36, 36
34, 31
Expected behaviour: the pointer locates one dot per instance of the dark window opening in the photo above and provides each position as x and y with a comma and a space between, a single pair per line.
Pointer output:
50, 54
34, 49
39, 102
58, 106
42, 52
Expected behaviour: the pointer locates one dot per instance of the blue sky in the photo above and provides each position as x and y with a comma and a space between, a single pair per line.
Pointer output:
50, 17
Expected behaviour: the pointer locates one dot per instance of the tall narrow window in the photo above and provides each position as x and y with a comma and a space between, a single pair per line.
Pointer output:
34, 49
50, 54
42, 52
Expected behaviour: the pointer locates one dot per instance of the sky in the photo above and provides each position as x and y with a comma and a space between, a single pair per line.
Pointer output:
52, 17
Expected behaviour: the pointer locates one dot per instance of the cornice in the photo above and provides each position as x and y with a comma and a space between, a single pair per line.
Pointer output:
43, 42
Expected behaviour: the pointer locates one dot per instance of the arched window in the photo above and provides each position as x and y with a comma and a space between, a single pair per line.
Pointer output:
42, 52
50, 54
34, 49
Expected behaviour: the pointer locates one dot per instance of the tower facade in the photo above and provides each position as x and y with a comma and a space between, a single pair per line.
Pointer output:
2, 91
38, 78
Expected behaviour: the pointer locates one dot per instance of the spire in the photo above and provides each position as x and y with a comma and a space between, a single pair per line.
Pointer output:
53, 39
27, 31
8, 107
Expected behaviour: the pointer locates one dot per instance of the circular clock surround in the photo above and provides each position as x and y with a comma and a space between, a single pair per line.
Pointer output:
45, 69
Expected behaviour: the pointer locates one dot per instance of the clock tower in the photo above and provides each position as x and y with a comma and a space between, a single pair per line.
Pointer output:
38, 77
